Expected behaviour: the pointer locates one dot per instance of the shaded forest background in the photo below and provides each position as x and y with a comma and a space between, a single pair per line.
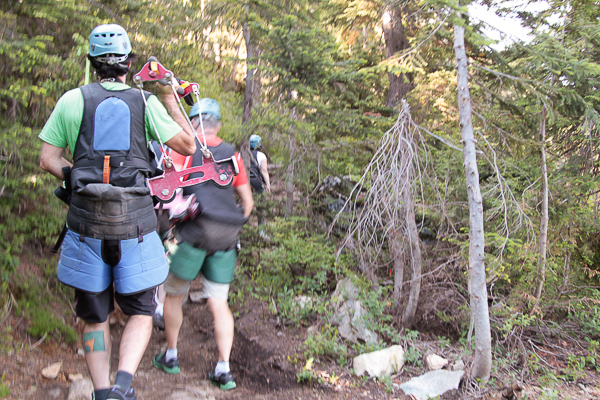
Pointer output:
321, 82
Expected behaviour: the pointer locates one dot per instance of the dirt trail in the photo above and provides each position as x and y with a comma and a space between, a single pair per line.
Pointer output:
258, 361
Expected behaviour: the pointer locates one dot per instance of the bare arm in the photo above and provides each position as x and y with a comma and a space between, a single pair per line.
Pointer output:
265, 174
51, 160
245, 194
184, 142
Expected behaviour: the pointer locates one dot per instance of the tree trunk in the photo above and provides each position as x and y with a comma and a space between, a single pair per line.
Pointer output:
398, 255
289, 178
541, 274
251, 86
477, 287
412, 234
565, 280
395, 41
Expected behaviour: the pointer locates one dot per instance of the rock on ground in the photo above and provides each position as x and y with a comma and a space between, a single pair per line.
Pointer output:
381, 362
432, 384
350, 314
81, 389
435, 362
192, 393
302, 302
51, 371
459, 365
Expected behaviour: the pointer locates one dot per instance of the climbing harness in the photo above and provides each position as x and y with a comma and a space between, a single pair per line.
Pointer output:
221, 172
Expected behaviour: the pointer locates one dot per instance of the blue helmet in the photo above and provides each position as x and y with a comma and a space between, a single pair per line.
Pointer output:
110, 39
206, 106
255, 142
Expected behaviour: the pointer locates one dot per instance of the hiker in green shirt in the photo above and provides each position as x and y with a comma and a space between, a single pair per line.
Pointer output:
111, 250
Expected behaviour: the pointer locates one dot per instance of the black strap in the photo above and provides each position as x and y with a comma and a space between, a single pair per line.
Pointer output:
140, 233
115, 162
158, 217
60, 239
81, 233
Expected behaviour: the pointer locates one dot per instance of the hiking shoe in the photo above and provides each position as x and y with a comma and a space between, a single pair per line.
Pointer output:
224, 381
170, 367
117, 393
158, 321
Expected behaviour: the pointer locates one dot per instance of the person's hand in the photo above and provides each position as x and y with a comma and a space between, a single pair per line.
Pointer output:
164, 88
268, 189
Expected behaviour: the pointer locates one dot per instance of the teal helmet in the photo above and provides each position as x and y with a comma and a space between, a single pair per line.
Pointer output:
255, 142
111, 41
206, 106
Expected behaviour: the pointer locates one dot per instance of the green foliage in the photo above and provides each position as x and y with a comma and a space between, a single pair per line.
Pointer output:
377, 304
292, 264
4, 389
386, 380
587, 314
413, 356
325, 343
38, 306
42, 322
306, 374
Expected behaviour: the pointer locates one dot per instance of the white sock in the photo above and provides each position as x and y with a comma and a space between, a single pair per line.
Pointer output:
170, 354
159, 309
222, 368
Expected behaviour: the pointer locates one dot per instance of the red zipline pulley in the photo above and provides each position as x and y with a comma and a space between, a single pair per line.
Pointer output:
152, 71
220, 172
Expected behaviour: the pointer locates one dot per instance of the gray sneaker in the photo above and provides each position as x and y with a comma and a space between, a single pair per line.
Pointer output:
117, 394
158, 321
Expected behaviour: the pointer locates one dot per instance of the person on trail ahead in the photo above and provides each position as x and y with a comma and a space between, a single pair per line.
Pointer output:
259, 174
111, 237
206, 245
259, 177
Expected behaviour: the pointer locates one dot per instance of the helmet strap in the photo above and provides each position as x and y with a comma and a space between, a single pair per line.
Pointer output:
112, 60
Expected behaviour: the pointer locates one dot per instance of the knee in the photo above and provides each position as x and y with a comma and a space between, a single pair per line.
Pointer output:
174, 298
218, 307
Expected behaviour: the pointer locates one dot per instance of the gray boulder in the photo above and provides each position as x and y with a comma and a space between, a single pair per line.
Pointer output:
81, 389
350, 314
432, 384
381, 362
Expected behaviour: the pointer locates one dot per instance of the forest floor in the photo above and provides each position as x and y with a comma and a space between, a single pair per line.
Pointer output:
260, 360
265, 359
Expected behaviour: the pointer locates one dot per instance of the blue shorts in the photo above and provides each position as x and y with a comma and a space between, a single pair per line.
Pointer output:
92, 265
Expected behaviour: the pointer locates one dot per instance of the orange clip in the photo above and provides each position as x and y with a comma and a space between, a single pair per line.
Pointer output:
106, 170
154, 66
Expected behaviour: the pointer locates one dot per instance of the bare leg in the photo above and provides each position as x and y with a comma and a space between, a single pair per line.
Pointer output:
134, 341
223, 326
161, 294
97, 346
173, 319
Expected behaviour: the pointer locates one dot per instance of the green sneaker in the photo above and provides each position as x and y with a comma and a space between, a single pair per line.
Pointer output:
224, 381
170, 367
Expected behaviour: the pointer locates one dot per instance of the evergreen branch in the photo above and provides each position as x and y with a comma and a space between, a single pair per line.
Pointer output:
106, 9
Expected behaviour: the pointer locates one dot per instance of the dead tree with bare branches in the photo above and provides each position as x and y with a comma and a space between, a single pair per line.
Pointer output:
387, 215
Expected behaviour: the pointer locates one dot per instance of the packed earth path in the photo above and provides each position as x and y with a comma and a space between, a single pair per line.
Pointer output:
267, 354
262, 361
259, 362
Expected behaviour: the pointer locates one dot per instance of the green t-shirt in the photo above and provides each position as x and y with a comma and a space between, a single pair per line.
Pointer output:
62, 128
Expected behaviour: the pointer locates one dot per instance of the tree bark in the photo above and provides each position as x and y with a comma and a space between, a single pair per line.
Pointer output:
289, 179
565, 280
395, 41
541, 273
398, 255
477, 287
412, 234
250, 93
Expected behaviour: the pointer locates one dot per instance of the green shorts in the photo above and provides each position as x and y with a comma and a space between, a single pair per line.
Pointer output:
186, 262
